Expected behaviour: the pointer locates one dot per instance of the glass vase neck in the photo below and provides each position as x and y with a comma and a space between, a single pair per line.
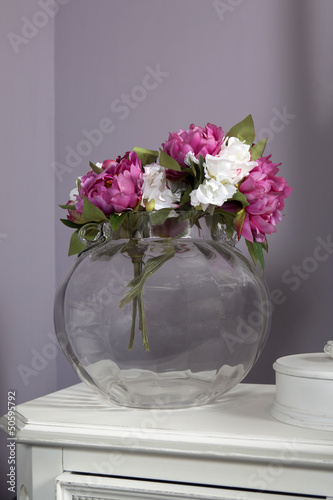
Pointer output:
141, 225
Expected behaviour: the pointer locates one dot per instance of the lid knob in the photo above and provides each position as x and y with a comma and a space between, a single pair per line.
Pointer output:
329, 348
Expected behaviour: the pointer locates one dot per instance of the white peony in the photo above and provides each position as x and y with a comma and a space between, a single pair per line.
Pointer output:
156, 189
232, 164
212, 192
73, 195
190, 156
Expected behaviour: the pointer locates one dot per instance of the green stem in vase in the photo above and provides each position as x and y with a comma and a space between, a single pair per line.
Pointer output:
137, 303
137, 264
141, 273
142, 323
134, 309
152, 265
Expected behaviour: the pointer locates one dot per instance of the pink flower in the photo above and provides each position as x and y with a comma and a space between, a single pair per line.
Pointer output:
74, 215
199, 140
117, 188
127, 186
266, 194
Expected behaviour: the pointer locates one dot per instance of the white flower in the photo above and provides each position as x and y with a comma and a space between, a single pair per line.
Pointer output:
190, 156
212, 192
232, 164
222, 173
73, 195
157, 189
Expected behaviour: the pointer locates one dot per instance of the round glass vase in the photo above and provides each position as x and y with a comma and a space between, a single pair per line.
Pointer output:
161, 315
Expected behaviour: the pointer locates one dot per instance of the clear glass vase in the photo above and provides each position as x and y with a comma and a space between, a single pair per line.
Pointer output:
162, 315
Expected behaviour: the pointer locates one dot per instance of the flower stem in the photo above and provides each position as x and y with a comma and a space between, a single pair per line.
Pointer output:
134, 309
152, 265
137, 264
142, 322
135, 294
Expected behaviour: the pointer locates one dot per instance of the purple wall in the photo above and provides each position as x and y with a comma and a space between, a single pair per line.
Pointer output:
213, 61
27, 205
266, 57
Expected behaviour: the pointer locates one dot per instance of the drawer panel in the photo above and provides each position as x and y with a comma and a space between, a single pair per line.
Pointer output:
88, 487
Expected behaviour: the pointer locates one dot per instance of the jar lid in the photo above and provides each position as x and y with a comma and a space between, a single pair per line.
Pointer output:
309, 365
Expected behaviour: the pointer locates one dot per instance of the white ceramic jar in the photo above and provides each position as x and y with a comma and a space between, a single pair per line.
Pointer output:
304, 390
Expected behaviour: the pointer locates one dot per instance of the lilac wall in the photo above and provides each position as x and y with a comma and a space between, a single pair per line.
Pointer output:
27, 206
220, 61
217, 61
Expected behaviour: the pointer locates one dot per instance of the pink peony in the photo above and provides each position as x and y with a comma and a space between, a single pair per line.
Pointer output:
74, 215
199, 140
117, 188
266, 194
127, 186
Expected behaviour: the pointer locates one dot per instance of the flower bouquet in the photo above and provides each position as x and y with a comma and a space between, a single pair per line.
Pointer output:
195, 173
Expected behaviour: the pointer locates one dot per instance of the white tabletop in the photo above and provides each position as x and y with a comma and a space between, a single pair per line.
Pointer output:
239, 424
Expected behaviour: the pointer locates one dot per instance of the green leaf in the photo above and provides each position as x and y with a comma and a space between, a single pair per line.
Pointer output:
146, 155
160, 216
67, 207
71, 224
201, 169
238, 196
226, 218
196, 170
260, 254
252, 251
95, 168
256, 251
239, 221
193, 168
168, 162
258, 149
201, 160
116, 220
186, 196
91, 213
265, 245
229, 231
75, 245
244, 130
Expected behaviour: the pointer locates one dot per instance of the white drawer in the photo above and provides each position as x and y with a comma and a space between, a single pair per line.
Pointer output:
88, 487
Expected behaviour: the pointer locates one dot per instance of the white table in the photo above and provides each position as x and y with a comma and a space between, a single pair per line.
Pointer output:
73, 445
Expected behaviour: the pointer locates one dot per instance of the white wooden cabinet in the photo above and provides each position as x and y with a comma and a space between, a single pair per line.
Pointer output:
73, 445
